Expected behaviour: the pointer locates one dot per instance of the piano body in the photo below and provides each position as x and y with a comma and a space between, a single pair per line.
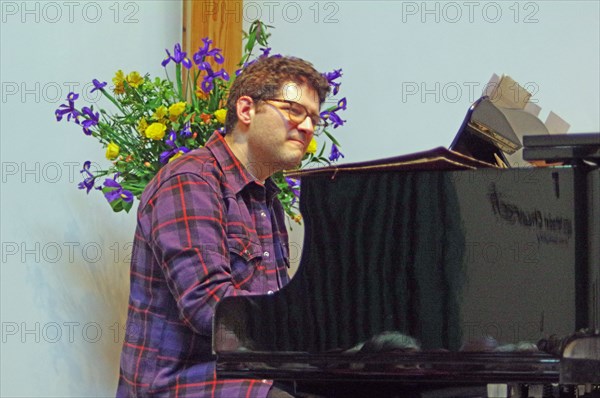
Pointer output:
428, 273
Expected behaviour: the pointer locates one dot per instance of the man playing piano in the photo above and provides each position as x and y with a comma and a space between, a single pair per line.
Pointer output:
210, 225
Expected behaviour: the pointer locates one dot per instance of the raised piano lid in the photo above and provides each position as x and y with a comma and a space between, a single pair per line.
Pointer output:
447, 257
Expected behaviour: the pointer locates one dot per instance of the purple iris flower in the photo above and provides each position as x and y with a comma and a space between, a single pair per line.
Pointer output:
170, 141
294, 185
336, 87
223, 74
204, 52
204, 65
331, 76
239, 71
335, 153
92, 119
97, 85
218, 57
118, 192
68, 109
179, 57
336, 120
187, 130
331, 116
89, 179
166, 155
265, 51
207, 82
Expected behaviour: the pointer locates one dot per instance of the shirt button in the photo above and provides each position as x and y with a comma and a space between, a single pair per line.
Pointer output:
266, 254
270, 292
263, 214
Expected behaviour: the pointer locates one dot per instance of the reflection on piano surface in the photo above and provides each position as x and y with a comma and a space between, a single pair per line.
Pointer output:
462, 266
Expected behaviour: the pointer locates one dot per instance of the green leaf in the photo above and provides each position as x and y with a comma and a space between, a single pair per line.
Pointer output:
322, 150
251, 41
332, 138
188, 117
127, 205
155, 103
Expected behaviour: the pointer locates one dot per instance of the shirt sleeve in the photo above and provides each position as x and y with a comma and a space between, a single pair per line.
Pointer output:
189, 241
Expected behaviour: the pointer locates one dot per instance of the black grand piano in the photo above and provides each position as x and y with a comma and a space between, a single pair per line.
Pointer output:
431, 275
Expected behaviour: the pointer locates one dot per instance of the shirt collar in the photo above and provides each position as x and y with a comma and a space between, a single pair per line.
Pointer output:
238, 177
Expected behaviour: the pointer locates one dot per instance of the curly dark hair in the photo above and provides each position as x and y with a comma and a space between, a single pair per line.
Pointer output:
266, 76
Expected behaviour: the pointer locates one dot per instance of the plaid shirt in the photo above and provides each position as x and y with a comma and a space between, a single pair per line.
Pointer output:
205, 230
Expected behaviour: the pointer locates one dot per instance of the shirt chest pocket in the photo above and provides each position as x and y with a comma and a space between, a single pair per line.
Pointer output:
245, 259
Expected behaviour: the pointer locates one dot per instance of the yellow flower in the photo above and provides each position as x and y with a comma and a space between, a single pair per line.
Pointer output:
178, 154
160, 112
134, 79
312, 147
119, 77
221, 115
177, 109
156, 131
118, 82
112, 151
142, 125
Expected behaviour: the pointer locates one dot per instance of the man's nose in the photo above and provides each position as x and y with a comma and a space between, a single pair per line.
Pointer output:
307, 126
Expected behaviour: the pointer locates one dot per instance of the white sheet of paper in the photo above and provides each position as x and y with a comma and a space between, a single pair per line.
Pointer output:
532, 108
556, 125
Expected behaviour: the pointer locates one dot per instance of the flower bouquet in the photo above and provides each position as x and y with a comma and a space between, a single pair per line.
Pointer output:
154, 121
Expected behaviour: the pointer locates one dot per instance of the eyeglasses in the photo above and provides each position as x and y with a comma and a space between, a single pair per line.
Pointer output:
297, 113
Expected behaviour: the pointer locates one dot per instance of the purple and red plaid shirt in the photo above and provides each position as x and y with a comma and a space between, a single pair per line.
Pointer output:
205, 230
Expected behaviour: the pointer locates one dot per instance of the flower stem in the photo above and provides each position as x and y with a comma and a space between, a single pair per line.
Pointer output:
113, 100
179, 83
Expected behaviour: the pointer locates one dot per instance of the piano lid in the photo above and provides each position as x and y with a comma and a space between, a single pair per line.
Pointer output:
440, 159
446, 257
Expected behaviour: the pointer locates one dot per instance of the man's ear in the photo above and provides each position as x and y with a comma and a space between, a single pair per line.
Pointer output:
245, 109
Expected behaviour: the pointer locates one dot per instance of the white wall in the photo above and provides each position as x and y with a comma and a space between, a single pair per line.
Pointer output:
64, 254
64, 275
447, 50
